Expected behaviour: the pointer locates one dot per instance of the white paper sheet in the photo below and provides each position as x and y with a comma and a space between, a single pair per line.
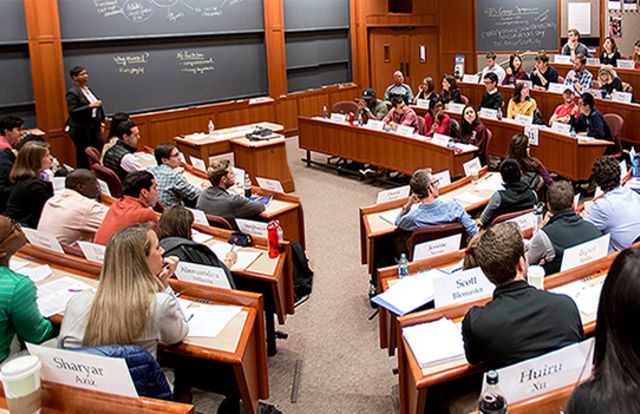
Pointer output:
53, 296
210, 320
37, 273
435, 342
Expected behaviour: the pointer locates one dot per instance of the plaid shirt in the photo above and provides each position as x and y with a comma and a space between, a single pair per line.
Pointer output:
583, 79
409, 118
172, 186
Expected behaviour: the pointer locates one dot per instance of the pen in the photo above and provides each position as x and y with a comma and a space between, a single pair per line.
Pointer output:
190, 317
75, 290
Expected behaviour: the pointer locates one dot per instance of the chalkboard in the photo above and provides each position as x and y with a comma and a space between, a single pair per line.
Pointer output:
508, 25
125, 19
142, 76
310, 49
314, 77
15, 77
14, 25
302, 15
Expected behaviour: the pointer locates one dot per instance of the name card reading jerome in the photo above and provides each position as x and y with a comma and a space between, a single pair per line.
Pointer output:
436, 247
461, 287
204, 275
87, 371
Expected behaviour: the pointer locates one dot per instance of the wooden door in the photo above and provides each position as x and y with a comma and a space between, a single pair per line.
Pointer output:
386, 51
421, 58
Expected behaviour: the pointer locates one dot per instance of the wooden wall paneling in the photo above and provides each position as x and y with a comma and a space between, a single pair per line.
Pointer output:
345, 93
47, 72
427, 37
245, 114
456, 27
386, 52
287, 114
276, 52
312, 102
359, 48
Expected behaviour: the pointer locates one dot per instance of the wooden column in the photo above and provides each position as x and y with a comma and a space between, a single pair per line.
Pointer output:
456, 24
47, 72
359, 43
274, 40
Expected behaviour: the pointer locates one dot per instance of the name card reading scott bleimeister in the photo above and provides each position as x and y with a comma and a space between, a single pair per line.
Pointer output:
548, 372
585, 252
43, 239
252, 228
204, 275
436, 247
82, 370
271, 185
461, 287
393, 194
92, 252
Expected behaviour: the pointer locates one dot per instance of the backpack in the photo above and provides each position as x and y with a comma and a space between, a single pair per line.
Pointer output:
302, 273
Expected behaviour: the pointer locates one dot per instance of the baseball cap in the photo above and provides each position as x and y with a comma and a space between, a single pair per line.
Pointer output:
368, 94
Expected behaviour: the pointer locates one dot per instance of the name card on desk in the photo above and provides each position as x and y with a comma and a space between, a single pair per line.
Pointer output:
523, 119
626, 64
533, 133
461, 287
525, 82
556, 87
226, 156
585, 252
441, 140
442, 178
468, 78
561, 128
436, 247
623, 169
405, 130
204, 275
43, 239
393, 194
374, 125
621, 97
565, 59
554, 370
199, 216
593, 62
86, 371
252, 228
525, 221
104, 188
576, 200
338, 118
489, 113
456, 108
422, 103
197, 163
271, 185
92, 252
472, 167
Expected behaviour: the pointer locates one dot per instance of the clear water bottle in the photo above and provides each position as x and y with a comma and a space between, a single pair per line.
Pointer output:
212, 127
247, 185
635, 167
538, 211
403, 266
325, 114
492, 399
359, 118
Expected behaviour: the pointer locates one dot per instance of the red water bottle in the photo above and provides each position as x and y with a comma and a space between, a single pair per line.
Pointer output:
273, 239
352, 118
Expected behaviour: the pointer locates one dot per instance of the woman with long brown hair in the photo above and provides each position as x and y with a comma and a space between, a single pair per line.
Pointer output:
519, 151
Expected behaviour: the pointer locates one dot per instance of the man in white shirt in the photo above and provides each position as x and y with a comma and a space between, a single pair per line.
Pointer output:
120, 158
74, 214
492, 67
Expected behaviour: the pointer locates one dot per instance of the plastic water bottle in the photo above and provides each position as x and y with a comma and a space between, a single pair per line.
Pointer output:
247, 185
212, 127
359, 118
492, 399
325, 114
273, 239
635, 167
403, 266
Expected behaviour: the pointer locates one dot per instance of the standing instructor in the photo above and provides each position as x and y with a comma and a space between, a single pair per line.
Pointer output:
86, 116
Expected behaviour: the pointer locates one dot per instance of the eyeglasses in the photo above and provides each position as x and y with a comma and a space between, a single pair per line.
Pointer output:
176, 155
14, 227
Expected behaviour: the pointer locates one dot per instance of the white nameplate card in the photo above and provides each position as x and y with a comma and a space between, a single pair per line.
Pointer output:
436, 247
43, 240
87, 371
442, 178
405, 130
58, 184
468, 78
271, 185
461, 287
623, 169
197, 163
489, 113
618, 97
576, 200
38, 273
393, 194
339, 118
456, 108
199, 216
561, 128
229, 156
626, 64
240, 173
472, 167
556, 87
533, 133
525, 221
204, 275
440, 139
565, 59
523, 119
585, 252
375, 125
422, 103
92, 252
252, 228
566, 366
525, 82
593, 62
104, 187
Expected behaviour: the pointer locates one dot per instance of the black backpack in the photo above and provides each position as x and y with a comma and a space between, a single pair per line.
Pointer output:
302, 273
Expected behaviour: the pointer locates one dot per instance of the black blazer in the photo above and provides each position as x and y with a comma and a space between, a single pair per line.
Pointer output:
79, 110
521, 322
27, 199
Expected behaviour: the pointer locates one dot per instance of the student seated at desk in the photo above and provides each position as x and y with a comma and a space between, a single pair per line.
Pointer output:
521, 103
574, 47
371, 107
18, 307
134, 304
401, 114
579, 77
609, 80
618, 211
474, 132
426, 91
217, 201
74, 214
534, 172
516, 196
119, 157
493, 68
610, 53
543, 74
174, 232
140, 194
590, 122
436, 120
567, 109
173, 187
561, 229
636, 54
116, 120
615, 385
491, 97
399, 89
450, 91
431, 210
521, 322
515, 72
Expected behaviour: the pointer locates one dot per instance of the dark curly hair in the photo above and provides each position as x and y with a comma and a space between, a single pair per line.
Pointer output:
606, 173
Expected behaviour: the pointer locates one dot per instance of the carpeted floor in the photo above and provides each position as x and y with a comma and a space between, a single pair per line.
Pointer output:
343, 368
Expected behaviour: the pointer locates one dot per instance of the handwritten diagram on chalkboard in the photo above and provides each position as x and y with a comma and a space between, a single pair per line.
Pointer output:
139, 11
507, 25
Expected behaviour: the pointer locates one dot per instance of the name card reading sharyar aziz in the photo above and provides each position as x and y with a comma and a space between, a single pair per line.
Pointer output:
548, 372
460, 287
87, 371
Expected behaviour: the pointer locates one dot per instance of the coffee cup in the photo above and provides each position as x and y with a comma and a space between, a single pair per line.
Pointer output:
535, 277
21, 381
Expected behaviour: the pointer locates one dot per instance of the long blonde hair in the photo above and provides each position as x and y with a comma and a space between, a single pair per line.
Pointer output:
122, 305
29, 161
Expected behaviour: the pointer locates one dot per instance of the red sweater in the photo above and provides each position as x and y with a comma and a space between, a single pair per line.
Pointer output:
123, 213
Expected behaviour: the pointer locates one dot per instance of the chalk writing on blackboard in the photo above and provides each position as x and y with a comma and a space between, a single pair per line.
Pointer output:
139, 11
193, 62
131, 64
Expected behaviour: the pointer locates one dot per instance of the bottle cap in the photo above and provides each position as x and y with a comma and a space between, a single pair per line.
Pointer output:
492, 377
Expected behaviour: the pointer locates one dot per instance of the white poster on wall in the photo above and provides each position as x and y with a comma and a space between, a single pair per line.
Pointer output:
580, 17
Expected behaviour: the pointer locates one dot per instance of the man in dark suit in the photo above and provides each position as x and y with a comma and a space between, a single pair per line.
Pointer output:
86, 116
520, 322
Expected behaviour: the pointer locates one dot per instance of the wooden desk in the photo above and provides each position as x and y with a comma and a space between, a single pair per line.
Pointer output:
373, 229
266, 159
631, 76
383, 149
548, 101
239, 347
58, 399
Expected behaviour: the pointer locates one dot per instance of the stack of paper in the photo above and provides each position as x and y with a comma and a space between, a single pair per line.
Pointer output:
37, 273
585, 296
53, 296
409, 293
16, 264
390, 216
245, 259
210, 320
468, 198
435, 343
492, 183
466, 147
